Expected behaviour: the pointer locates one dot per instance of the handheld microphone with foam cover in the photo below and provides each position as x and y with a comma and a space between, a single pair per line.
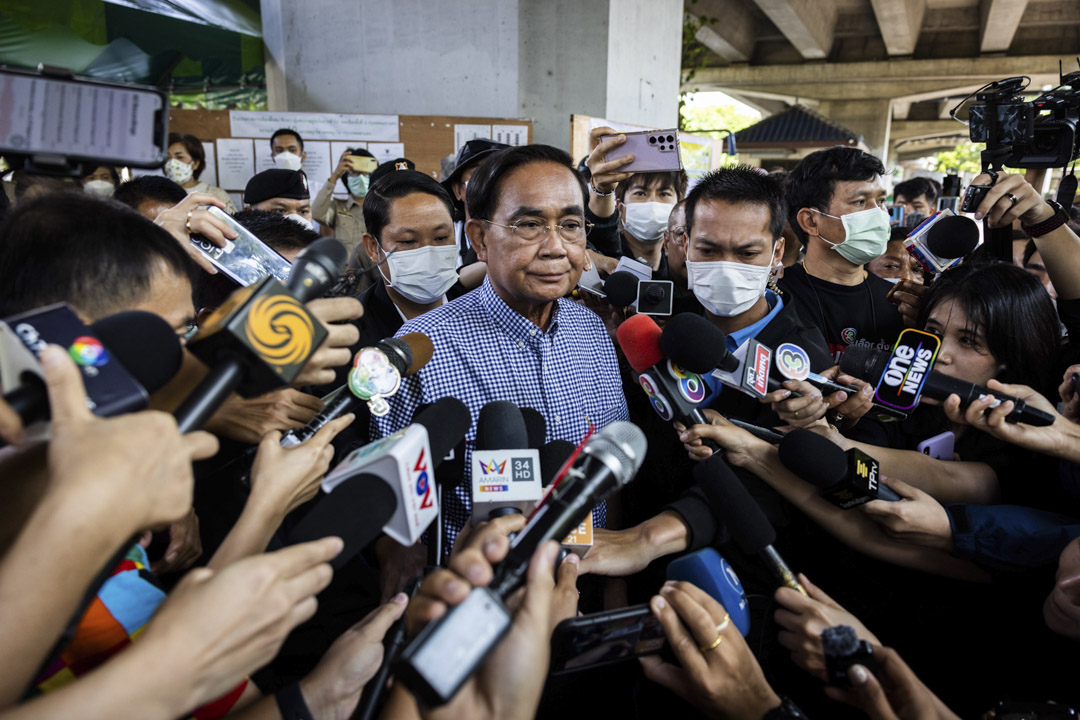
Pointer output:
846, 479
535, 427
355, 512
452, 473
621, 288
552, 458
122, 358
942, 241
447, 651
261, 338
505, 470
876, 367
743, 517
697, 344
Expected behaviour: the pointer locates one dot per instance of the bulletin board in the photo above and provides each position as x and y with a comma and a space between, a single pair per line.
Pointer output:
700, 153
424, 139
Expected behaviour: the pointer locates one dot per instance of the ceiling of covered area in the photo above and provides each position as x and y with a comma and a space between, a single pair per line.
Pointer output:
921, 55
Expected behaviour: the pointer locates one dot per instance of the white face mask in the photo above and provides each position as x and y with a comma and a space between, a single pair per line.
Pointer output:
179, 171
891, 280
103, 188
423, 275
727, 289
647, 221
300, 220
288, 161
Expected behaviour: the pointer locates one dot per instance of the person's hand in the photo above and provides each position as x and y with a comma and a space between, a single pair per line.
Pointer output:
185, 546
284, 478
849, 407
564, 599
242, 614
333, 688
895, 693
1070, 399
907, 297
722, 679
147, 460
336, 314
1057, 439
248, 420
605, 171
343, 166
738, 444
185, 219
604, 265
11, 426
1000, 210
918, 519
611, 316
618, 553
804, 618
797, 411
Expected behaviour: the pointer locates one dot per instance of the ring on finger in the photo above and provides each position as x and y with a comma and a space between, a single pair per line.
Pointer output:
1012, 197
796, 414
715, 643
187, 224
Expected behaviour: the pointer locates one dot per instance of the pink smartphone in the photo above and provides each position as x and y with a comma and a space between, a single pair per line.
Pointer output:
653, 150
939, 447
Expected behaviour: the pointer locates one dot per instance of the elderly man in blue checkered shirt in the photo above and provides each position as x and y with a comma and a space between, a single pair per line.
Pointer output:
517, 337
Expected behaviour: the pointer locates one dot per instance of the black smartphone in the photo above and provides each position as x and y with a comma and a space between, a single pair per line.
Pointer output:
604, 638
57, 119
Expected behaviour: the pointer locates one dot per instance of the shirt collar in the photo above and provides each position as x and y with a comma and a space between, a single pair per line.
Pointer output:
737, 338
512, 322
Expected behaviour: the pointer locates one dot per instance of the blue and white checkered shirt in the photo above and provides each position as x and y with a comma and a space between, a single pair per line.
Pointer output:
485, 351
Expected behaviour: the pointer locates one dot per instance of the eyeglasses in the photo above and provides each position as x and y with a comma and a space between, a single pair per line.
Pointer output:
571, 231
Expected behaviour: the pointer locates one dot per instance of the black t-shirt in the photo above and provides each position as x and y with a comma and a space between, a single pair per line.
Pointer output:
845, 314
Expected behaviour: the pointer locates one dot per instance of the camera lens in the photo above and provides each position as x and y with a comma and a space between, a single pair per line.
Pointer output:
670, 138
652, 139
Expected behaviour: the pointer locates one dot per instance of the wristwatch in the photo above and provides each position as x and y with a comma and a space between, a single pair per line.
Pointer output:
1059, 218
601, 194
787, 710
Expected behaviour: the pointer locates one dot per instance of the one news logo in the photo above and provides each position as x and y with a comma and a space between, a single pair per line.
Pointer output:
909, 365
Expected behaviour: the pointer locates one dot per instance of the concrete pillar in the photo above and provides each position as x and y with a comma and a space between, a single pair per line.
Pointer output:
872, 119
541, 59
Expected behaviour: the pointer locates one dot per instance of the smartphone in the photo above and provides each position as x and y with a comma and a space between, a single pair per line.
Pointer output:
653, 151
590, 281
939, 447
896, 215
363, 163
605, 638
57, 119
247, 259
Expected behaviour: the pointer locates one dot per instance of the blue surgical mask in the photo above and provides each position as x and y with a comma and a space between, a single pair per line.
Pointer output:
358, 184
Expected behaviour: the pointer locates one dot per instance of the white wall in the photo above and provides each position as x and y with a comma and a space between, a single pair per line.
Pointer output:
644, 58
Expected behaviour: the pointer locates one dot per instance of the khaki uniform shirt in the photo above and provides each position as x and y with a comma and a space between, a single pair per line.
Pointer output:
346, 217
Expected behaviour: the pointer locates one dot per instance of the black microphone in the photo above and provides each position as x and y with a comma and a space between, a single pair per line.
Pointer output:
447, 651
743, 517
942, 241
261, 338
846, 479
552, 458
355, 512
122, 359
905, 375
448, 421
535, 426
505, 477
621, 288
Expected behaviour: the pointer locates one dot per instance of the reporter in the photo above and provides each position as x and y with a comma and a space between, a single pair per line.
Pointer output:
894, 693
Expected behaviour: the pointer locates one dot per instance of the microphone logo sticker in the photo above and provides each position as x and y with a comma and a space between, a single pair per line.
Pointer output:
88, 351
909, 366
280, 330
660, 405
792, 361
422, 483
493, 468
690, 385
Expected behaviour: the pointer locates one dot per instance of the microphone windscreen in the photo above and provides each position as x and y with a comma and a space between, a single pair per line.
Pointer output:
864, 362
317, 268
639, 338
144, 344
952, 237
397, 352
355, 511
815, 459
732, 504
695, 344
501, 427
621, 288
553, 456
535, 427
446, 420
422, 350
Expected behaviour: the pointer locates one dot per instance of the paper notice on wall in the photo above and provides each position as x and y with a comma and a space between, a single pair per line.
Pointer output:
209, 174
510, 134
384, 152
235, 162
317, 164
264, 160
465, 133
315, 126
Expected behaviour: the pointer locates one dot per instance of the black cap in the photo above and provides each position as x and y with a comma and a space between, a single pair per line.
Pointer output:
471, 153
276, 183
390, 166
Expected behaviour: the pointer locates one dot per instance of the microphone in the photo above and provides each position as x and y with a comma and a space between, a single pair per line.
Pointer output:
406, 461
373, 369
846, 479
903, 376
743, 517
505, 470
447, 651
535, 427
708, 570
621, 288
674, 390
355, 512
552, 458
263, 335
122, 359
942, 241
